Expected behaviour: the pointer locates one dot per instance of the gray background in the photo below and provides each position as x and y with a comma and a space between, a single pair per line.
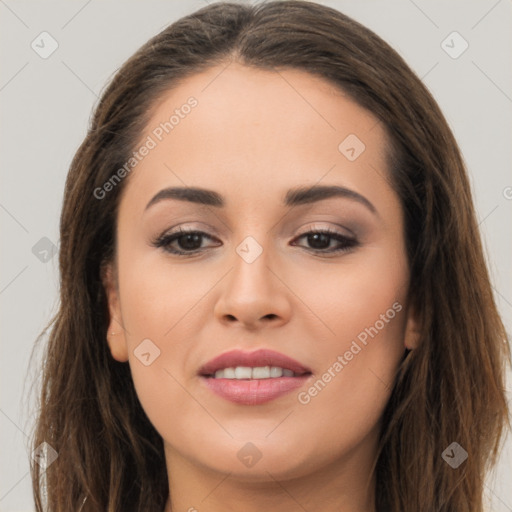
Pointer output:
45, 108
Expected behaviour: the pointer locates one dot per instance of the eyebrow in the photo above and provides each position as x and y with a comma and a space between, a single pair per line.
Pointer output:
294, 197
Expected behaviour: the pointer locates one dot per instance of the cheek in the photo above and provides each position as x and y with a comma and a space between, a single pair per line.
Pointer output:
362, 362
343, 405
363, 305
159, 299
355, 293
156, 313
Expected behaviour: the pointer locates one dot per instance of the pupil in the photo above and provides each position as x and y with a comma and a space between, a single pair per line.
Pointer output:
316, 240
193, 238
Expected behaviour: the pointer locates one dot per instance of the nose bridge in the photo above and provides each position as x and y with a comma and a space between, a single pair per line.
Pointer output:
251, 272
251, 291
253, 241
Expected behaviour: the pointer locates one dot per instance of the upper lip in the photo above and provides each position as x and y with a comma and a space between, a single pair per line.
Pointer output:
260, 357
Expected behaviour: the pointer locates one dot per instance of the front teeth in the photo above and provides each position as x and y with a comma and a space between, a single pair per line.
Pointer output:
259, 372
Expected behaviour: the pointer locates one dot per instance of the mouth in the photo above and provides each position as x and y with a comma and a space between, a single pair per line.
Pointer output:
254, 373
253, 378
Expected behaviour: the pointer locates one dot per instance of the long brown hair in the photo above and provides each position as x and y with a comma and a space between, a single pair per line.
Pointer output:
450, 388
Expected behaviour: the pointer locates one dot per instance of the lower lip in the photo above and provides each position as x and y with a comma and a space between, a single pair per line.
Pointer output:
254, 391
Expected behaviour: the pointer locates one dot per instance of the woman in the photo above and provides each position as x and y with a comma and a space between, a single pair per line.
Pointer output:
273, 291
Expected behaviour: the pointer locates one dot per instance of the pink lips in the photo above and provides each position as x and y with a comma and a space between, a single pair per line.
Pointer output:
253, 391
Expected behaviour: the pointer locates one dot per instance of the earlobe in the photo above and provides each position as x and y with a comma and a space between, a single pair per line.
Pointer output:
115, 335
117, 344
412, 334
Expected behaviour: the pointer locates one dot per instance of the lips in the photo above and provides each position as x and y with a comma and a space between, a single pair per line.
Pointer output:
252, 390
257, 358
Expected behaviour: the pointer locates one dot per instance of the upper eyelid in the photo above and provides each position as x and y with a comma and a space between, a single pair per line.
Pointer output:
310, 229
310, 226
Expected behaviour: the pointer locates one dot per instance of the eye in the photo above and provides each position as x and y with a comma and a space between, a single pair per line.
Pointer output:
189, 242
320, 241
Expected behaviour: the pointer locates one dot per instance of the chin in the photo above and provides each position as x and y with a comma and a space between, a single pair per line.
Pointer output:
260, 461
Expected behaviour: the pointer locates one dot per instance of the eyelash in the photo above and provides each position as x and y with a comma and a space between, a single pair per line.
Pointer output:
165, 240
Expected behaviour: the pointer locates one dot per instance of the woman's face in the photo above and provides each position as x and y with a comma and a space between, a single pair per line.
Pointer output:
261, 146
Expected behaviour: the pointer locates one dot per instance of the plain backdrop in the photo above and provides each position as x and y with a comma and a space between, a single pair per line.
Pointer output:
45, 108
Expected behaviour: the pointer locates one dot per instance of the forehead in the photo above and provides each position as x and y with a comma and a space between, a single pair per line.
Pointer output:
245, 129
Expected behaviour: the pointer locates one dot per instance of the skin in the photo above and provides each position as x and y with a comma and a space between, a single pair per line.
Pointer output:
253, 135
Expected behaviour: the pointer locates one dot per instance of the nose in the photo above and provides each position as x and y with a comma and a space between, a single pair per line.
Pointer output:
253, 295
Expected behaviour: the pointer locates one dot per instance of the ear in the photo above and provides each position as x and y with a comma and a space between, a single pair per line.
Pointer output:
115, 334
412, 334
